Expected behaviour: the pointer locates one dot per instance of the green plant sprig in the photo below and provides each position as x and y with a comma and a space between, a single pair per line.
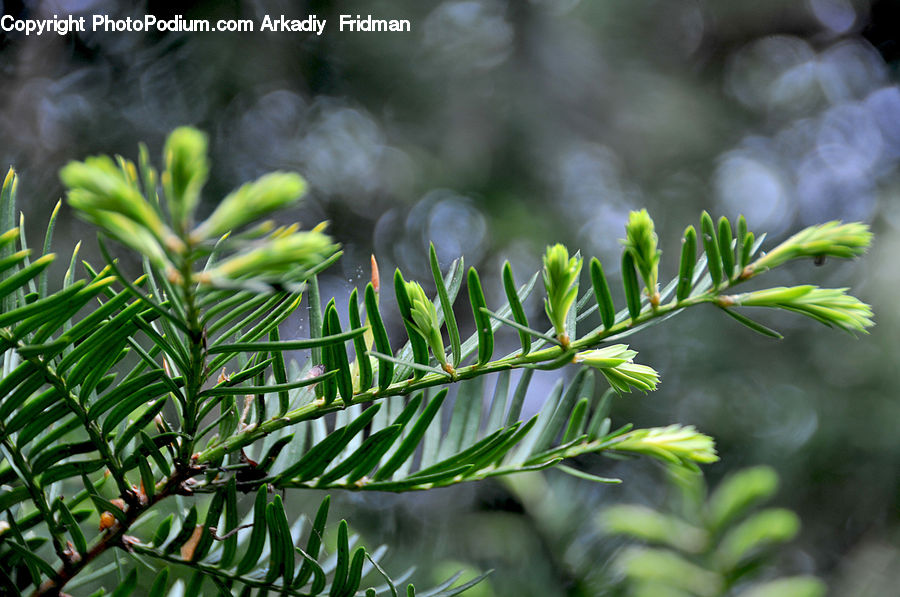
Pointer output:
515, 360
204, 324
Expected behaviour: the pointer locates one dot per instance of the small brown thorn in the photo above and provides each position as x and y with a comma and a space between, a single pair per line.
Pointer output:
376, 279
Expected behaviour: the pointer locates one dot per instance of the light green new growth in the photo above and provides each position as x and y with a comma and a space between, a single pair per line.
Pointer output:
250, 202
831, 306
108, 195
640, 241
615, 363
185, 174
832, 239
282, 257
674, 444
425, 321
98, 184
561, 283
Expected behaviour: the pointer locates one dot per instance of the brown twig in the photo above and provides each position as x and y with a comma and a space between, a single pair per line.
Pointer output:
212, 531
113, 537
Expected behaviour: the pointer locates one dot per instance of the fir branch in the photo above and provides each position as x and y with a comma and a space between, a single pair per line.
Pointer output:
58, 382
317, 409
195, 298
28, 477
113, 537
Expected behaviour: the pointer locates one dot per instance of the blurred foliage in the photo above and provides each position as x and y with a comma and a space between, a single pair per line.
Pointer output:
497, 127
708, 547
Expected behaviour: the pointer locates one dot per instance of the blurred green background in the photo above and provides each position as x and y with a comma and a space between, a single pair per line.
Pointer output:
496, 127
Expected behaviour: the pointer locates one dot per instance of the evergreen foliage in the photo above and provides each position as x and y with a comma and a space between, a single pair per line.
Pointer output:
714, 546
118, 394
